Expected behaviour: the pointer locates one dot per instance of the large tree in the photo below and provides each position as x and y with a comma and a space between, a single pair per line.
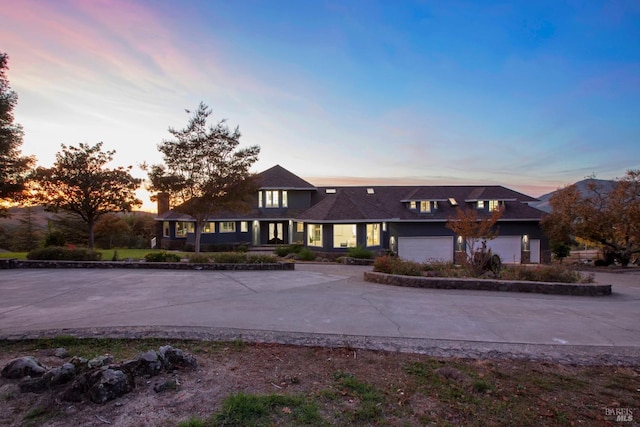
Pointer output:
14, 167
80, 184
608, 215
204, 171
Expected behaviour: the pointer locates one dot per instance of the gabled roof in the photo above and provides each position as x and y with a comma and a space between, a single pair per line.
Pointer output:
278, 178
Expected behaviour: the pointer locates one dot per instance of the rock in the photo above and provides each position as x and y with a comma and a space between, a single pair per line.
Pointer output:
61, 353
109, 385
99, 361
166, 385
23, 367
52, 378
175, 358
80, 363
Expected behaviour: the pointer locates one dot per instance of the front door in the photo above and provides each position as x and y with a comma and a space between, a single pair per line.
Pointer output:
256, 233
276, 233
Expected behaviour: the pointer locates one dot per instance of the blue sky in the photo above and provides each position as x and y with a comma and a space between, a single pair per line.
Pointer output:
530, 95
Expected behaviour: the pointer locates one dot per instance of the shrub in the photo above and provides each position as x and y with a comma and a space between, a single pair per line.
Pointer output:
360, 253
162, 257
65, 254
199, 259
230, 257
545, 273
306, 254
394, 265
260, 259
54, 238
284, 250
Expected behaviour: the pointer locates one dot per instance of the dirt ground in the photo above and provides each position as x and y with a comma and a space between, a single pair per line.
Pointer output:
407, 389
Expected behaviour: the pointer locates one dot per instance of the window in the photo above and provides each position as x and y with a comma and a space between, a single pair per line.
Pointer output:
165, 229
285, 202
425, 206
182, 228
209, 227
259, 199
480, 204
272, 199
373, 234
412, 204
300, 227
494, 205
314, 232
344, 235
244, 227
227, 227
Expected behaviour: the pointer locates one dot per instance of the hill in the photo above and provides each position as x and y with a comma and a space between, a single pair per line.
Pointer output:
583, 186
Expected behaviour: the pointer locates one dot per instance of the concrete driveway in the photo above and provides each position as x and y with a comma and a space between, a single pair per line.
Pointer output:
322, 304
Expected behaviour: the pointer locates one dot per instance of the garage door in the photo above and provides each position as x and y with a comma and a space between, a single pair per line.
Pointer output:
508, 247
423, 249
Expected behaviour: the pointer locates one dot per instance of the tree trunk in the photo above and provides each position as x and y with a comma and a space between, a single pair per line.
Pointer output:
199, 227
91, 223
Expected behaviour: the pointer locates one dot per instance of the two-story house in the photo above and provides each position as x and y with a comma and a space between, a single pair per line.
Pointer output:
408, 220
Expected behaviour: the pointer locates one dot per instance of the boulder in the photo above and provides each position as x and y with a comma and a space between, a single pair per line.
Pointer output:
174, 358
23, 367
109, 385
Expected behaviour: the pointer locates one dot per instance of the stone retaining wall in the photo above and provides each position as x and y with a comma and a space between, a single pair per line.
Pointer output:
14, 263
579, 289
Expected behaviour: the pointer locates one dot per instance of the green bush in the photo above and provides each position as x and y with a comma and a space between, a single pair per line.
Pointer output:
199, 259
260, 259
230, 257
306, 254
284, 250
545, 273
394, 265
360, 253
65, 254
162, 257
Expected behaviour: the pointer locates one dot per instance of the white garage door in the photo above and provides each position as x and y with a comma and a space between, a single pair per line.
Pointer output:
423, 249
508, 247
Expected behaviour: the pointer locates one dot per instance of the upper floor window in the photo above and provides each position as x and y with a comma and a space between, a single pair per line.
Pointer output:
412, 204
259, 199
480, 204
271, 199
285, 201
494, 205
425, 206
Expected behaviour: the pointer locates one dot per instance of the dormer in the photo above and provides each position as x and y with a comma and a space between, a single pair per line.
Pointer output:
489, 205
422, 206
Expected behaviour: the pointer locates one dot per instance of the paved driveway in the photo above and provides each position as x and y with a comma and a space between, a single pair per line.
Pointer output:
313, 304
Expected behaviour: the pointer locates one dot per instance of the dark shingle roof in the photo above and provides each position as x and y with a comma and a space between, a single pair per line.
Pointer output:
279, 178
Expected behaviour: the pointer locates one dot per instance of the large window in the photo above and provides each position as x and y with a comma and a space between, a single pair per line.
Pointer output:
314, 232
425, 206
209, 227
182, 228
373, 234
344, 235
494, 205
227, 227
272, 199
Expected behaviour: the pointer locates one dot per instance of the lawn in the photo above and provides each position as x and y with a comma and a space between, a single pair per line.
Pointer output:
107, 254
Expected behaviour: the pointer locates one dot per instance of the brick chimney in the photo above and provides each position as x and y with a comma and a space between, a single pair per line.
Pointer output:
163, 203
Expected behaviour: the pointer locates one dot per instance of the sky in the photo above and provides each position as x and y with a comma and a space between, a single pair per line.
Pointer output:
532, 95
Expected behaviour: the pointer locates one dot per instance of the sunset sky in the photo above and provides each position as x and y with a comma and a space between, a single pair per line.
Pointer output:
531, 95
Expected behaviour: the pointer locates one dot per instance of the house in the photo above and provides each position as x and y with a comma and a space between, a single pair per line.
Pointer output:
408, 220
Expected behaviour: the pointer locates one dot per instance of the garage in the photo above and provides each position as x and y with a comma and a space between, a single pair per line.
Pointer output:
507, 247
422, 249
